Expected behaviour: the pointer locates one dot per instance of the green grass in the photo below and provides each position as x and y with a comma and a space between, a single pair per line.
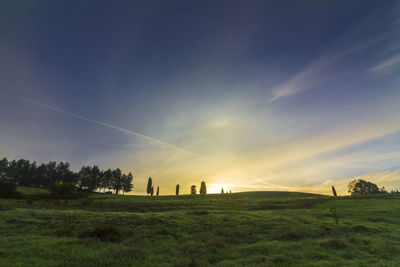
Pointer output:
255, 229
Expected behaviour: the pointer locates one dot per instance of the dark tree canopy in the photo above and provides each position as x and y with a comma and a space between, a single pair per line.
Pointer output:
177, 189
359, 186
117, 181
27, 173
127, 183
203, 189
158, 191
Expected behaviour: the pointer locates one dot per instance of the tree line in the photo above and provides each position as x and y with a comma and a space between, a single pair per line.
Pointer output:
193, 191
89, 178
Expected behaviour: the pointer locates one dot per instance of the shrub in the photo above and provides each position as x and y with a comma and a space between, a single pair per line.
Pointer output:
8, 187
62, 190
193, 190
102, 232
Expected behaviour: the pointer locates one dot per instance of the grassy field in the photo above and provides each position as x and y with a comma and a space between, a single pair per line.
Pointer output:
255, 229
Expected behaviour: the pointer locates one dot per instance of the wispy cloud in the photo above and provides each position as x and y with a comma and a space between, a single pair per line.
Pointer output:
320, 69
385, 64
305, 79
129, 132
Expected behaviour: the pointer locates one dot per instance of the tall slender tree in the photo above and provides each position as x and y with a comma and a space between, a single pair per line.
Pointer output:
334, 191
177, 190
203, 189
149, 186
158, 191
222, 190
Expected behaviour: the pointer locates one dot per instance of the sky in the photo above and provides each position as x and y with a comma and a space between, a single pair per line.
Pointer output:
244, 95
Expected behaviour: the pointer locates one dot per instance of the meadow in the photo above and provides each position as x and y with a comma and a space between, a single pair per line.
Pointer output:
253, 229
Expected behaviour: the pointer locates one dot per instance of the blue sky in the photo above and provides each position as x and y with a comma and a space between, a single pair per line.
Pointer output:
248, 95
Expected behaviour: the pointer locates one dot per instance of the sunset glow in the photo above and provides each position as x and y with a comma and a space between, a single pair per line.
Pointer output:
249, 99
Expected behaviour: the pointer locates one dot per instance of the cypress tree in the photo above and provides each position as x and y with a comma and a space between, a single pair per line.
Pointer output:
149, 186
152, 191
177, 189
222, 190
334, 191
158, 191
203, 189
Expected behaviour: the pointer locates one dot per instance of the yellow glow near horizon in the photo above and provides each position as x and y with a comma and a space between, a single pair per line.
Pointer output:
216, 188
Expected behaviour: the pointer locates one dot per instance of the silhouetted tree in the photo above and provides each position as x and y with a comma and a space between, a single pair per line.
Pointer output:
158, 191
84, 177
41, 176
63, 173
230, 191
51, 172
127, 183
193, 190
27, 173
117, 181
334, 191
149, 186
3, 165
94, 178
222, 190
359, 186
203, 189
20, 171
177, 190
106, 178
152, 191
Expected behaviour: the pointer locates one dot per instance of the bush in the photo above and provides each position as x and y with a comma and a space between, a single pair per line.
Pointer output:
62, 190
102, 232
8, 188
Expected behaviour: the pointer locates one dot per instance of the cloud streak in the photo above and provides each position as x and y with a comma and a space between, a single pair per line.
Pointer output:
385, 64
320, 69
120, 129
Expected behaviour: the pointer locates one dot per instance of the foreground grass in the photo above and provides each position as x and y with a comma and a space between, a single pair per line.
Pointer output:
258, 229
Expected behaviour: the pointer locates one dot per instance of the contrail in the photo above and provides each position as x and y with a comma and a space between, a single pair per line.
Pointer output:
145, 137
